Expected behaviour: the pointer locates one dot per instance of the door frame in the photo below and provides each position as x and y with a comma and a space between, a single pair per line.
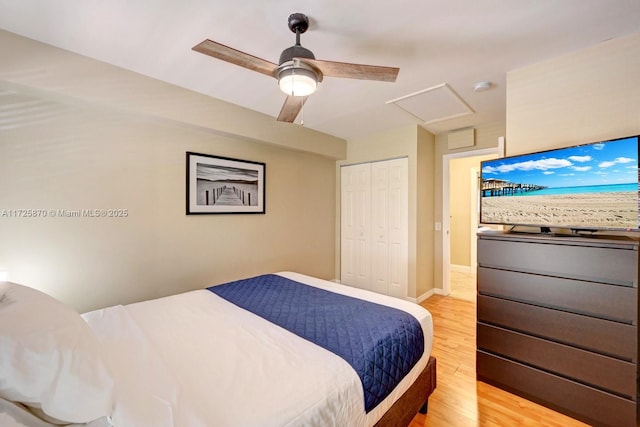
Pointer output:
474, 221
446, 223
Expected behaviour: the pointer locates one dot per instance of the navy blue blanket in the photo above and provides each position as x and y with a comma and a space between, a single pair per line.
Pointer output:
381, 343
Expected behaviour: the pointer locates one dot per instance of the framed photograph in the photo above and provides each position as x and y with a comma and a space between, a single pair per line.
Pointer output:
220, 185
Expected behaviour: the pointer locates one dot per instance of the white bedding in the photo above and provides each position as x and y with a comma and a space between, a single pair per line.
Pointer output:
194, 359
15, 415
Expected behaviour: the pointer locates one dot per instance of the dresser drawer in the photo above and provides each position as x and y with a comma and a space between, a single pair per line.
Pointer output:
593, 299
602, 372
616, 265
593, 406
602, 336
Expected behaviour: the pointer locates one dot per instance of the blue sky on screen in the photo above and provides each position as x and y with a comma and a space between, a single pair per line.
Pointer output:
611, 162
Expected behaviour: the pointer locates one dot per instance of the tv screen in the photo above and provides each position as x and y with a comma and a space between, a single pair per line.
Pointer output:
593, 186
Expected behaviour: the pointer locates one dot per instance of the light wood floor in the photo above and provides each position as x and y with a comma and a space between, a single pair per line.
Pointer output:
463, 285
459, 400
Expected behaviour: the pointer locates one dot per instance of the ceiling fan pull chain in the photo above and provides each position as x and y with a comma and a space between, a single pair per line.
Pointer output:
293, 80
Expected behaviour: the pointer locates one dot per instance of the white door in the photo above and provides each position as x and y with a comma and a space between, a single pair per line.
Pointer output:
356, 226
398, 227
380, 275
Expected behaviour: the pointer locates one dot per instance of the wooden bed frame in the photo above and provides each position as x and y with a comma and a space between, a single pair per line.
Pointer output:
414, 400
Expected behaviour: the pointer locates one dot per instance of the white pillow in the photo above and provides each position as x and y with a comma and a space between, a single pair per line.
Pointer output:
49, 358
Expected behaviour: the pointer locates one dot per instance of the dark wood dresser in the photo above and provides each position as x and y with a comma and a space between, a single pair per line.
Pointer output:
558, 322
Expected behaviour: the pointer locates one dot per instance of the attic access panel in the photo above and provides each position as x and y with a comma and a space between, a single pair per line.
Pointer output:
433, 104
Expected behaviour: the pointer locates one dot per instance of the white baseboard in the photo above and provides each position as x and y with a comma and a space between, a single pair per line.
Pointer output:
430, 293
439, 291
425, 296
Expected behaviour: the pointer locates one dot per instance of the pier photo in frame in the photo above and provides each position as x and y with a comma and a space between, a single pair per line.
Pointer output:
220, 185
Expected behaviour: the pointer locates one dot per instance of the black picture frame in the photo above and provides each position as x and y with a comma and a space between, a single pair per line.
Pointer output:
222, 185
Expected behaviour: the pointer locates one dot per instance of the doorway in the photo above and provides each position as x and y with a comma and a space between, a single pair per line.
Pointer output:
449, 198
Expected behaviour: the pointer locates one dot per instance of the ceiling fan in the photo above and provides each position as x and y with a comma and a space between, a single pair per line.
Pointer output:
298, 72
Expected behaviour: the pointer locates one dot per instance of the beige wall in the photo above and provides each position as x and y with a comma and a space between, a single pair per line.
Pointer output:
96, 160
459, 212
416, 144
425, 231
586, 96
60, 152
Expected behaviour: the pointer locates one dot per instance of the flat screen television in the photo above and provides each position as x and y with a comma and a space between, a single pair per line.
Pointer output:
587, 187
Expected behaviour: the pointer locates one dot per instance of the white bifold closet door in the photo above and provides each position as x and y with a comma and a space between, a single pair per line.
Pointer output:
356, 225
374, 226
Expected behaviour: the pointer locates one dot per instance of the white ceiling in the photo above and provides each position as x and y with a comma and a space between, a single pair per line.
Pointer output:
434, 42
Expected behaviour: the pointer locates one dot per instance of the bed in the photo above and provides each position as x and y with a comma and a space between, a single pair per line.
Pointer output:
214, 357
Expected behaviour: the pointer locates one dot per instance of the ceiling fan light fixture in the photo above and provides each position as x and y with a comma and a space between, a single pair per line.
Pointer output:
297, 80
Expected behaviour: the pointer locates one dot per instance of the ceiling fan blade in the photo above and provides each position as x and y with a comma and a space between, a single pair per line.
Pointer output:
226, 53
291, 108
354, 71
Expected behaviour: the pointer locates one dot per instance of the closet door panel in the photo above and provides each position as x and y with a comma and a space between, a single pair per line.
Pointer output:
347, 226
398, 227
356, 226
380, 232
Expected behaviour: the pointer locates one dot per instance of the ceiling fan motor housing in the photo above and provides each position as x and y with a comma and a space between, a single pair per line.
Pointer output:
298, 23
295, 51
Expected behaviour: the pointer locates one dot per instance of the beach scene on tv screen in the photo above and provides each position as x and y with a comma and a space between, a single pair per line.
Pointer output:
587, 186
